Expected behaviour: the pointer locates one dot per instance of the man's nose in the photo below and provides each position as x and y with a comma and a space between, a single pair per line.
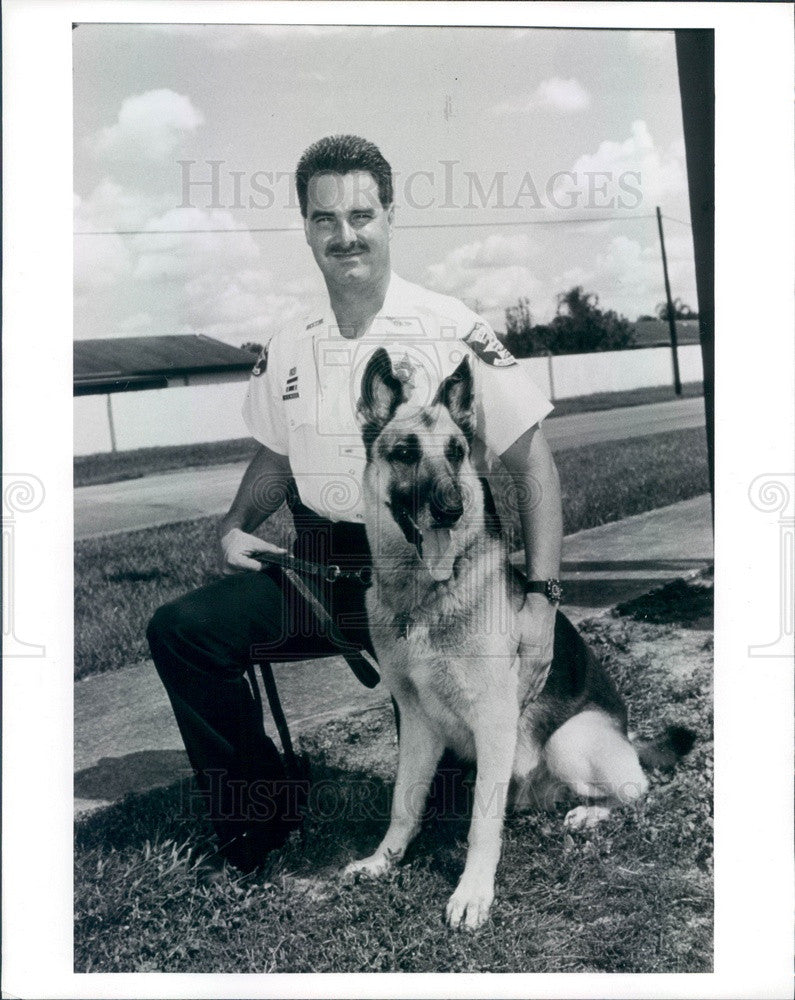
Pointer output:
346, 234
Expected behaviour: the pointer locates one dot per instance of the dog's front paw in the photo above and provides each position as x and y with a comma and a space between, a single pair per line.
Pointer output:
372, 867
469, 906
585, 817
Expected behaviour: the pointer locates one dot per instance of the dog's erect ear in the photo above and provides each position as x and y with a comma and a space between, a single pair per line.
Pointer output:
382, 393
457, 394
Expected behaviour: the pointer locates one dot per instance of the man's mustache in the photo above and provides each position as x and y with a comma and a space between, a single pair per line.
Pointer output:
338, 248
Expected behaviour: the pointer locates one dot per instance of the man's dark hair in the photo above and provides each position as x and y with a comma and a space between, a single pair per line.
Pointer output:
343, 154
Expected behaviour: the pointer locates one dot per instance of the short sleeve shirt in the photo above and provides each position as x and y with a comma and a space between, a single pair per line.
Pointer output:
303, 391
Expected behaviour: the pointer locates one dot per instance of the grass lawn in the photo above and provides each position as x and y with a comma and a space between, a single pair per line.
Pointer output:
111, 467
634, 895
121, 579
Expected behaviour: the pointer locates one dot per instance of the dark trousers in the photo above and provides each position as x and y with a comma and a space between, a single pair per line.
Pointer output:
202, 645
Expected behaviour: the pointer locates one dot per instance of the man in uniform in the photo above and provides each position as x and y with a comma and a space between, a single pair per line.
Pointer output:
301, 408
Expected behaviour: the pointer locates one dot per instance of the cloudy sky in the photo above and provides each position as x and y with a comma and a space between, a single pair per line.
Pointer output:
510, 146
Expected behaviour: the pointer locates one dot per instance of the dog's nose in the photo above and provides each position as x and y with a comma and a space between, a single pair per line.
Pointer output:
446, 506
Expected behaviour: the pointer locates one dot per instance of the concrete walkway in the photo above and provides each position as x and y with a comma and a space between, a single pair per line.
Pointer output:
188, 493
126, 739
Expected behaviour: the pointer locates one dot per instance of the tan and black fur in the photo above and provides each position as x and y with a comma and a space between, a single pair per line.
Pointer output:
443, 617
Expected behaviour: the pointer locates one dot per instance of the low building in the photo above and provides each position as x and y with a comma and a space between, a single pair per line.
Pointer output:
118, 403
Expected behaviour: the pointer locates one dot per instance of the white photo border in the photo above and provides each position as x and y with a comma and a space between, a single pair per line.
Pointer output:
754, 436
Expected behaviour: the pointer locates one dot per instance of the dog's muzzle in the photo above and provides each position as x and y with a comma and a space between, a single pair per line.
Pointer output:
446, 505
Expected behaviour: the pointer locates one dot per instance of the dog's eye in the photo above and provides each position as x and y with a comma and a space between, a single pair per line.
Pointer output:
407, 452
454, 452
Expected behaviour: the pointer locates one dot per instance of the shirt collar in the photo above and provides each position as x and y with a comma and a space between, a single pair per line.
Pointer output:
391, 307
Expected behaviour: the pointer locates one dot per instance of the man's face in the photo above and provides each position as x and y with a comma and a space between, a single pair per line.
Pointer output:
347, 228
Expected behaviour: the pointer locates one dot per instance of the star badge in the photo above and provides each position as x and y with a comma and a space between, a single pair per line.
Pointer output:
404, 370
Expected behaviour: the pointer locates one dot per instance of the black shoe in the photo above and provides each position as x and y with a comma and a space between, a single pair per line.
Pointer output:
249, 850
214, 869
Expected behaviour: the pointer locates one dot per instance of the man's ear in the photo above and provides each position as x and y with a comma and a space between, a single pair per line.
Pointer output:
457, 393
382, 393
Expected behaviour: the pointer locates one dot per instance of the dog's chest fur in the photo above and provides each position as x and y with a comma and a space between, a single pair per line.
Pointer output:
451, 649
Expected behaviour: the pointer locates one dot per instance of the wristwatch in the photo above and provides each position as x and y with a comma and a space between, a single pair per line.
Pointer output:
551, 589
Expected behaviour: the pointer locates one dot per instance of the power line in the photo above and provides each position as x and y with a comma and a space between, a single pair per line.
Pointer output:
418, 225
526, 222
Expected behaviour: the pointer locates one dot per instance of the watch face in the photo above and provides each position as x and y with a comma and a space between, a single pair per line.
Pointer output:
554, 590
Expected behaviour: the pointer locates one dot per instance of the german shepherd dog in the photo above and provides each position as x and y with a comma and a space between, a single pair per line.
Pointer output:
442, 612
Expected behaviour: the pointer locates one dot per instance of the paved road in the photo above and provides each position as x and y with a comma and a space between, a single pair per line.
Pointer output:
188, 493
126, 739
577, 429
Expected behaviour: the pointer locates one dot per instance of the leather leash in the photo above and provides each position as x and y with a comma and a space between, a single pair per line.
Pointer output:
359, 660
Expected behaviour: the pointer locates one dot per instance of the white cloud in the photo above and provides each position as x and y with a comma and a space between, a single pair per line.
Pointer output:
563, 95
493, 273
205, 282
112, 206
137, 323
553, 94
173, 253
149, 126
629, 276
216, 280
239, 306
99, 262
627, 174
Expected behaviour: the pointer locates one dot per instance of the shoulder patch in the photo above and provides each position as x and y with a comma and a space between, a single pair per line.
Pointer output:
483, 341
317, 322
262, 361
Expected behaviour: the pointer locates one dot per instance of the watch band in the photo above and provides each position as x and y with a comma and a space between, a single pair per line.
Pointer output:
551, 589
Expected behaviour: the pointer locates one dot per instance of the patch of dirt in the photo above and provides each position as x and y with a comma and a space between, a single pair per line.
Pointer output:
679, 652
686, 603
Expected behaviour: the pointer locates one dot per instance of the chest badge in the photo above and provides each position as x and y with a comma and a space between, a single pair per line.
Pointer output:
291, 385
405, 370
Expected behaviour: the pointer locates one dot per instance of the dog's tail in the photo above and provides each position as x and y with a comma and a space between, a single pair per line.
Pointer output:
664, 751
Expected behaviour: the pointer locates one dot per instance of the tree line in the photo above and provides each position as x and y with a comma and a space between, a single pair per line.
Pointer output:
578, 327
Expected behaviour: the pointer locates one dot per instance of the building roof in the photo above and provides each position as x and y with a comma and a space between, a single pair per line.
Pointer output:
120, 364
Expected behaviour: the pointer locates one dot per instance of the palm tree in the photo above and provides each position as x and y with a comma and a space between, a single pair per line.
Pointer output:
681, 310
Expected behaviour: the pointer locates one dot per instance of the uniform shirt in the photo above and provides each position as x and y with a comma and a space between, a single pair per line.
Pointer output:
303, 391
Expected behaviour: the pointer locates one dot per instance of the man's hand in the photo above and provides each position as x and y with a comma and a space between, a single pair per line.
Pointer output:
536, 621
236, 550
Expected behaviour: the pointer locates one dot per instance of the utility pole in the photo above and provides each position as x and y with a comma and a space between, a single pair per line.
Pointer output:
110, 425
671, 320
695, 57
